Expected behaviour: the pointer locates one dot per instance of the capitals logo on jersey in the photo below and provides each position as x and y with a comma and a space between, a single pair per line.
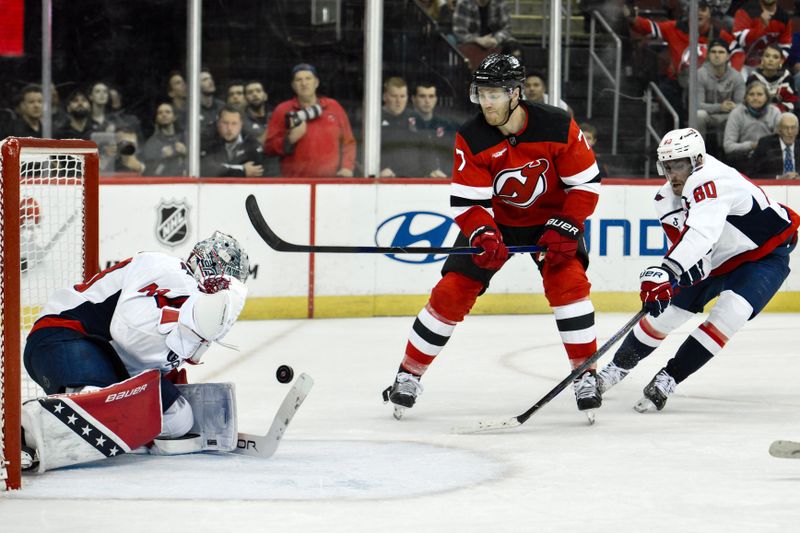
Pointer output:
521, 186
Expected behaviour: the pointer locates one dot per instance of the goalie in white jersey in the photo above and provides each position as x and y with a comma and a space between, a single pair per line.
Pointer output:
727, 239
151, 311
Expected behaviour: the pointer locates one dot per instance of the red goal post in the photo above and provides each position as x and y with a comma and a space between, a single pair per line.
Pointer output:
49, 231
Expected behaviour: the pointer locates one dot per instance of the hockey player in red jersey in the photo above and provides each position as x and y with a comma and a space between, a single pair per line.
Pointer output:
523, 174
728, 239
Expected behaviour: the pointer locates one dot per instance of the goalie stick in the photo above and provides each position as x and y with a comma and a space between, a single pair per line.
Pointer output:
785, 449
276, 243
521, 419
264, 446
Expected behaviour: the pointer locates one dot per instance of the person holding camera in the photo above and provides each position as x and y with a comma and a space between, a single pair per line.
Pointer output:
232, 153
165, 151
127, 158
311, 134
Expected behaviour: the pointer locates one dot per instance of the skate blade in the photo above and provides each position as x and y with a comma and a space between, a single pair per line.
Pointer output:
644, 405
590, 414
398, 412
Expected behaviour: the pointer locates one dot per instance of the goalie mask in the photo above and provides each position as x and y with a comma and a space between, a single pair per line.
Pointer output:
680, 144
219, 254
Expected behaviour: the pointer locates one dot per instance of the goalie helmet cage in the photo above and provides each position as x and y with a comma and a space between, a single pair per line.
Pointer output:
49, 232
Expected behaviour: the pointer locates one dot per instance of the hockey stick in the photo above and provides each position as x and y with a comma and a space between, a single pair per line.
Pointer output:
264, 446
276, 243
521, 419
785, 449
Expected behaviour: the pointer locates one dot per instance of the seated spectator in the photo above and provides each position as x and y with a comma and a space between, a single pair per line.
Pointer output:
232, 153
776, 155
778, 80
310, 133
720, 88
102, 120
747, 123
400, 140
120, 117
209, 104
256, 111
29, 113
164, 152
78, 125
445, 21
438, 134
127, 159
590, 134
535, 91
176, 91
676, 34
483, 27
793, 59
755, 25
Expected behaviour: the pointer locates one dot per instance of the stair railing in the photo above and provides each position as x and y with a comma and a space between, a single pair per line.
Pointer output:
615, 78
650, 131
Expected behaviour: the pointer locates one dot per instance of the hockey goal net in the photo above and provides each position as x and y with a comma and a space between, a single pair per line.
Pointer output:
48, 226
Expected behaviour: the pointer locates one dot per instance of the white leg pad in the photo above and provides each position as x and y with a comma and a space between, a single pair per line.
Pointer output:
214, 408
71, 429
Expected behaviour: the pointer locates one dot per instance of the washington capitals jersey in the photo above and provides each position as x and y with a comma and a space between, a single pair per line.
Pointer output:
722, 219
133, 304
545, 169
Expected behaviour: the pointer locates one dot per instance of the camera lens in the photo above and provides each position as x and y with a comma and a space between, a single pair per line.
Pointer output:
126, 148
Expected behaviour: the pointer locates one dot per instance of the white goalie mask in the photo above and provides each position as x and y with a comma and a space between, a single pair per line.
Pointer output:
679, 144
219, 254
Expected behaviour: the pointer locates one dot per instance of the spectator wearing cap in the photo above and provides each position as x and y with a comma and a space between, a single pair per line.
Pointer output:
720, 88
311, 134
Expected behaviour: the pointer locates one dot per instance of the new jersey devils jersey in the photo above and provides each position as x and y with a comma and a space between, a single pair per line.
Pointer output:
722, 219
545, 169
136, 306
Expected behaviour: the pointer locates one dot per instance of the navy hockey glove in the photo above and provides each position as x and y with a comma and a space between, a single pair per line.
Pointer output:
560, 237
494, 253
656, 289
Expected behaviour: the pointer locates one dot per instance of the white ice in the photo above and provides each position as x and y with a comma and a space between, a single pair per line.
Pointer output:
346, 465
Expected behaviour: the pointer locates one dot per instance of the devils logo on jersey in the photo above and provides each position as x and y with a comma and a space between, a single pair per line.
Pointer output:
521, 186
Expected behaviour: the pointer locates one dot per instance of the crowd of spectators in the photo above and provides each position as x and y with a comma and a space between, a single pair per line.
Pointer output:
749, 66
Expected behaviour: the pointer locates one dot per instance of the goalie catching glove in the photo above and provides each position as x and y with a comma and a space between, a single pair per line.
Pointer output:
494, 252
560, 238
204, 318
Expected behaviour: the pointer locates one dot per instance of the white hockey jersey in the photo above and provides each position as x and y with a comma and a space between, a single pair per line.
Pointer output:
144, 307
722, 219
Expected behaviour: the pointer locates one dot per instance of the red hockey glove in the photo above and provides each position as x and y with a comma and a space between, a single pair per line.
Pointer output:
560, 237
656, 289
494, 253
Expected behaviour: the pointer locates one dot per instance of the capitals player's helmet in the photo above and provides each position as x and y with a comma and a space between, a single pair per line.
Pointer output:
219, 254
678, 144
498, 70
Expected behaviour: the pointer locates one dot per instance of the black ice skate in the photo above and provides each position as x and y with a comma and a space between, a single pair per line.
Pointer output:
587, 394
656, 392
403, 393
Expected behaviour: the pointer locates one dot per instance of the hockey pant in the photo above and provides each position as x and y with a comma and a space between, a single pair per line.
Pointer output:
742, 293
566, 289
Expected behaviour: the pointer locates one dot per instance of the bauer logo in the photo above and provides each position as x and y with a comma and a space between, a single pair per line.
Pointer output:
416, 229
172, 222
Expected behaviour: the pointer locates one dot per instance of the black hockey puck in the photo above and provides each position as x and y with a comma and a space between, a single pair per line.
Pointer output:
284, 374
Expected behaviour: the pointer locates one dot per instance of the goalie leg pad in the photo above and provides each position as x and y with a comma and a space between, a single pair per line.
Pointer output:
70, 429
214, 408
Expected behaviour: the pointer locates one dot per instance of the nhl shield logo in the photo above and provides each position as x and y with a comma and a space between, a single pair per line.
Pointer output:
172, 225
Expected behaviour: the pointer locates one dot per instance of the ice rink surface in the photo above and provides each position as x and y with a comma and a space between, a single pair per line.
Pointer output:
345, 465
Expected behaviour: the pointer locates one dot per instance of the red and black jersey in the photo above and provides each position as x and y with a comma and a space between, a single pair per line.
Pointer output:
546, 169
752, 35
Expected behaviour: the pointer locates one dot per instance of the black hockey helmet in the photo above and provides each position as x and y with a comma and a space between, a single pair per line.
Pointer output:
498, 70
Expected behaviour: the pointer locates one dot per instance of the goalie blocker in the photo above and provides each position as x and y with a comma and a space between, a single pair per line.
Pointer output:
77, 428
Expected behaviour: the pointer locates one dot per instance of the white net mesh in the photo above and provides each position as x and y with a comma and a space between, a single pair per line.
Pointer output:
51, 235
52, 249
